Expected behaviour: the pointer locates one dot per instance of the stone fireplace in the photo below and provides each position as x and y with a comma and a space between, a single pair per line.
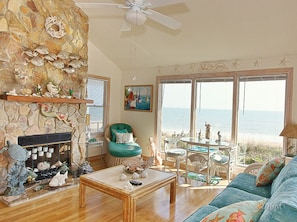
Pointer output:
42, 42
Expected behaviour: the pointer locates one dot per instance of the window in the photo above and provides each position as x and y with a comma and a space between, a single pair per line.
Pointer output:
97, 89
176, 106
249, 108
261, 117
214, 106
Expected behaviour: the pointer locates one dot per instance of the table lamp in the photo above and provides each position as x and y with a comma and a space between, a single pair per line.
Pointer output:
290, 131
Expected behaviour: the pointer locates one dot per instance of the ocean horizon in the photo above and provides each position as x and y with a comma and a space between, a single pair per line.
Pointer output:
266, 125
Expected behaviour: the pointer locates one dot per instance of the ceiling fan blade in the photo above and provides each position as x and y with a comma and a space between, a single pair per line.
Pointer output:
160, 3
98, 5
126, 27
163, 19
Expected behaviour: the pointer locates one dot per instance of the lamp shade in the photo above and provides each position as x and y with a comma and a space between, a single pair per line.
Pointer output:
135, 17
290, 131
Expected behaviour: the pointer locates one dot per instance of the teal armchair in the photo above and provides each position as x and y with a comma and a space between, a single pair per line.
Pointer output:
121, 142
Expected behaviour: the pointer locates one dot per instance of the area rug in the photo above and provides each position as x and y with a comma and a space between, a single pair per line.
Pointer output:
214, 180
38, 190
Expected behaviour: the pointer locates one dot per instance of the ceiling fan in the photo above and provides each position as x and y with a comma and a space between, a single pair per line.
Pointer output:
139, 10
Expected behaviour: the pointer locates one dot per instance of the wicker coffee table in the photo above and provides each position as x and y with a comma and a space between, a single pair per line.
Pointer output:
107, 181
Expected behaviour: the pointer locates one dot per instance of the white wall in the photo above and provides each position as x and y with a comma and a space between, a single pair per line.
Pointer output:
100, 65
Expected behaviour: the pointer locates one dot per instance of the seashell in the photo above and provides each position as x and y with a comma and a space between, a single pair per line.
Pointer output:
43, 50
30, 53
50, 57
144, 174
123, 177
74, 56
57, 164
43, 166
84, 62
37, 61
63, 55
75, 64
58, 179
69, 70
135, 175
128, 186
58, 64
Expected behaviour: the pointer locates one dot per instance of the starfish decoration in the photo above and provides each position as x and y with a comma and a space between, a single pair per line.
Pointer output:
235, 64
193, 67
284, 61
258, 62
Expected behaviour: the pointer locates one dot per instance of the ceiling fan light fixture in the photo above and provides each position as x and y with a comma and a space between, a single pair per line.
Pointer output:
135, 17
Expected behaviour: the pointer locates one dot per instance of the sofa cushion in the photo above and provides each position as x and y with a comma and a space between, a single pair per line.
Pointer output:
287, 172
202, 212
246, 182
282, 206
269, 171
241, 211
231, 195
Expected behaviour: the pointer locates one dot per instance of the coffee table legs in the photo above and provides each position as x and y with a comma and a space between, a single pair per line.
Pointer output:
82, 195
173, 191
129, 209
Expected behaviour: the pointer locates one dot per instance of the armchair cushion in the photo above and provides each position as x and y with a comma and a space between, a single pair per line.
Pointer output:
124, 149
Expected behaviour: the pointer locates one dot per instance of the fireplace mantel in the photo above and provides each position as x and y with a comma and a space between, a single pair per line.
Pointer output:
35, 99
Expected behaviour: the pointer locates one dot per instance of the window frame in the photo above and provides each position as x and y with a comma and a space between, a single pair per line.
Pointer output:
106, 102
236, 75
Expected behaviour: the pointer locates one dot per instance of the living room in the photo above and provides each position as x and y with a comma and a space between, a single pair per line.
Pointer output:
145, 122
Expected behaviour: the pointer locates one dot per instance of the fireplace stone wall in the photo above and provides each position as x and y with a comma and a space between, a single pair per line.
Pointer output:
37, 38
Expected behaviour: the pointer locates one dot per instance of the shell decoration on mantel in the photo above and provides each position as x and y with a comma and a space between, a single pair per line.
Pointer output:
65, 61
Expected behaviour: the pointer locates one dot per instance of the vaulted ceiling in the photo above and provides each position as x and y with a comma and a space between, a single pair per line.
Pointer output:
212, 30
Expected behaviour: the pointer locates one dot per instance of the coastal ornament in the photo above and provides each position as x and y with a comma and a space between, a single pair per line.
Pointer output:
128, 186
54, 27
46, 111
123, 177
207, 131
17, 173
58, 179
135, 175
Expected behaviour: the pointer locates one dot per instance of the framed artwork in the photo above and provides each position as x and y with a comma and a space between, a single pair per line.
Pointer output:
138, 98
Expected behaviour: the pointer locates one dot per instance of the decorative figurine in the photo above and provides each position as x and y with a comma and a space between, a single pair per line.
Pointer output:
219, 137
17, 173
199, 135
207, 131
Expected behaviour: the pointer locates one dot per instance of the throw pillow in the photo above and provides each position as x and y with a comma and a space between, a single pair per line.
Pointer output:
269, 171
240, 212
114, 131
124, 137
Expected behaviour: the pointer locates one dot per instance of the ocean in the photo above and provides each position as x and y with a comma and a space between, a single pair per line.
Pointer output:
261, 124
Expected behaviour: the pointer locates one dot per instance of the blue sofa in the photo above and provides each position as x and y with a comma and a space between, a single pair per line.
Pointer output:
281, 195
